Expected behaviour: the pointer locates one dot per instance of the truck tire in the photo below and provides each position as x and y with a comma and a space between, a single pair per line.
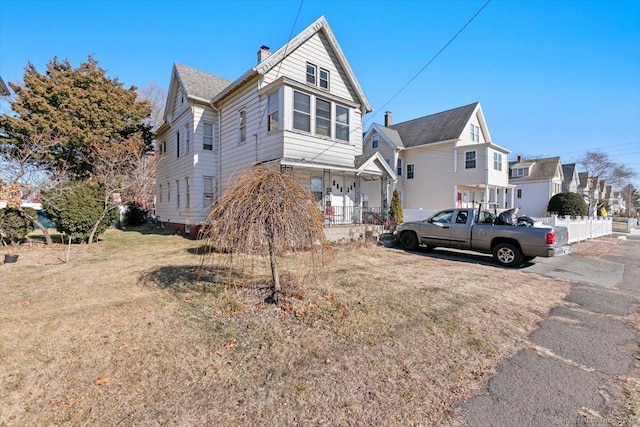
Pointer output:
528, 258
409, 241
507, 254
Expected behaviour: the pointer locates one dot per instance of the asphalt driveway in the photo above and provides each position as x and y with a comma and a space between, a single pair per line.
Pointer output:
570, 372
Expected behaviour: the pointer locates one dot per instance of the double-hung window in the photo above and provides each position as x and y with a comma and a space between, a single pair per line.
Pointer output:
323, 82
311, 73
177, 144
207, 194
342, 123
272, 112
242, 125
475, 133
207, 138
301, 111
399, 168
160, 192
187, 199
470, 160
411, 170
186, 141
374, 141
323, 117
497, 161
168, 192
178, 193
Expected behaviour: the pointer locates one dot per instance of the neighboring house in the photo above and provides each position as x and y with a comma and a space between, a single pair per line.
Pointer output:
617, 202
299, 110
442, 160
4, 89
571, 180
584, 186
536, 181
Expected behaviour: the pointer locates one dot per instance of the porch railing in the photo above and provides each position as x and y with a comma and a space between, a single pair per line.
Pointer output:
344, 215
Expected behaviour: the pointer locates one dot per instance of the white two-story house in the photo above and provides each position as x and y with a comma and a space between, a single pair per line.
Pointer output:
443, 160
299, 110
536, 181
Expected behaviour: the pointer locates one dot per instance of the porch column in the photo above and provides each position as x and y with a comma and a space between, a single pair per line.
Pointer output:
383, 193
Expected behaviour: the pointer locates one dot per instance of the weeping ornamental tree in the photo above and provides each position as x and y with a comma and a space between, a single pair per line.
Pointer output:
265, 213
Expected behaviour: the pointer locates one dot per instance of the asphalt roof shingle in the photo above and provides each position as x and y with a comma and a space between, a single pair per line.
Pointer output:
443, 126
544, 168
200, 84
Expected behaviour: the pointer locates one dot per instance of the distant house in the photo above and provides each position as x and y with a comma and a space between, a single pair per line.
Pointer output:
536, 181
571, 178
442, 160
299, 110
4, 89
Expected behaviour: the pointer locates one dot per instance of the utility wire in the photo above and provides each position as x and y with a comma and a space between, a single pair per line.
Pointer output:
433, 58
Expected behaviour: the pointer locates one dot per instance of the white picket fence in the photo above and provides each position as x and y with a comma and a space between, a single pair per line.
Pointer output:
581, 228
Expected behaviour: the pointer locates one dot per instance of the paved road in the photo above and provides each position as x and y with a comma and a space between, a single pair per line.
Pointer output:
567, 376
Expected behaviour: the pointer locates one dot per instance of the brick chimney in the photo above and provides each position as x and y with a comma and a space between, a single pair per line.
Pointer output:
519, 159
387, 119
263, 53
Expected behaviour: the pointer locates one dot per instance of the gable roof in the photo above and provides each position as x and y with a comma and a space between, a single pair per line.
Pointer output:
389, 135
544, 168
584, 180
568, 170
198, 84
319, 25
443, 126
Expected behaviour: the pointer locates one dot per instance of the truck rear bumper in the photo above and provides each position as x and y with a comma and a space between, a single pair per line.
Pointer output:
558, 251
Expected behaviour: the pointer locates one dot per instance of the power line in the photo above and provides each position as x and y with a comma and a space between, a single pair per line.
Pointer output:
433, 58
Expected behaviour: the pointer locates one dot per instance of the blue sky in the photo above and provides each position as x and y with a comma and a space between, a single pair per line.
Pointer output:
553, 77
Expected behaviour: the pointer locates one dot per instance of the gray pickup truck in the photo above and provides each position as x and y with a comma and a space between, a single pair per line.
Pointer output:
476, 230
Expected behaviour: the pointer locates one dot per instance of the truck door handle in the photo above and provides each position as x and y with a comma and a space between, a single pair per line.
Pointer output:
445, 226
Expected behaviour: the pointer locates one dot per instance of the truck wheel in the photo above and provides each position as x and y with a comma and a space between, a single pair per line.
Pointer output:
507, 254
409, 240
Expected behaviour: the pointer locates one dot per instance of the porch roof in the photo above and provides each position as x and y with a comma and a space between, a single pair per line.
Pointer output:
368, 169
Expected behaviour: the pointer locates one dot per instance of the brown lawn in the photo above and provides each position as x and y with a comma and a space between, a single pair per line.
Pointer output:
123, 335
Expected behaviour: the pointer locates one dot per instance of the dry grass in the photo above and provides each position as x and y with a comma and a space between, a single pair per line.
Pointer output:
125, 336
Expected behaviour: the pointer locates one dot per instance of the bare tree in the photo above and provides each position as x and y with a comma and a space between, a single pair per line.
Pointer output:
114, 164
265, 213
599, 164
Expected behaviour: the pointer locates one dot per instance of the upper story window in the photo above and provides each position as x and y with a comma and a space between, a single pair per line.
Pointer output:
187, 201
497, 161
519, 193
374, 141
301, 111
317, 76
323, 117
475, 133
411, 170
324, 79
272, 112
186, 142
399, 168
207, 137
388, 160
470, 160
519, 172
242, 125
342, 123
312, 71
178, 144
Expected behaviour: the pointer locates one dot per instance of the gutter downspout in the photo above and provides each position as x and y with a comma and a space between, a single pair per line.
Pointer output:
219, 146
